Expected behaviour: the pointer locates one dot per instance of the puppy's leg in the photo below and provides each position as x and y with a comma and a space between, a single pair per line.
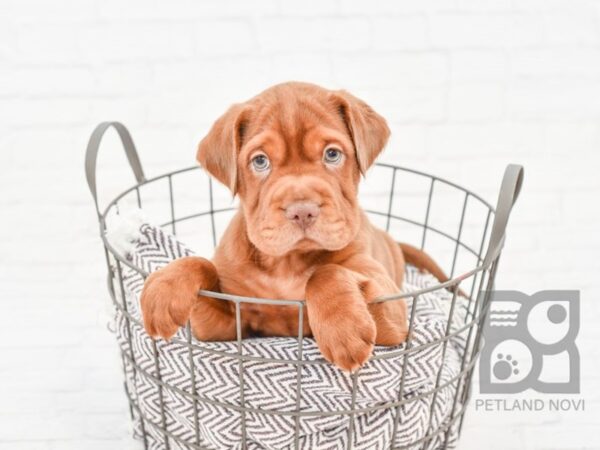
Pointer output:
170, 298
339, 317
391, 316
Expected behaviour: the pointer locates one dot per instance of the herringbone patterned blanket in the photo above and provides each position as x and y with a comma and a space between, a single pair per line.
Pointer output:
220, 416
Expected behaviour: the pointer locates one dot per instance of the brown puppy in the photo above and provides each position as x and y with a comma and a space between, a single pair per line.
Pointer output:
294, 155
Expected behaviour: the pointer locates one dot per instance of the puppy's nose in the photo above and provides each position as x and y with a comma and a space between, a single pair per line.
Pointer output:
303, 214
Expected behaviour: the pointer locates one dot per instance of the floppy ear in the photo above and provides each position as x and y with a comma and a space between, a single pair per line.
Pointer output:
218, 151
369, 131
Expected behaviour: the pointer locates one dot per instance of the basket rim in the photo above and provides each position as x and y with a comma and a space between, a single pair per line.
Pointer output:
454, 281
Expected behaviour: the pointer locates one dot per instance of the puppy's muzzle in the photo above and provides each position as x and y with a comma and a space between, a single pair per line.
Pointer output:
303, 214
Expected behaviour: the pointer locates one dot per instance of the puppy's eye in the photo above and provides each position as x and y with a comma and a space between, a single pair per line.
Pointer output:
260, 163
332, 155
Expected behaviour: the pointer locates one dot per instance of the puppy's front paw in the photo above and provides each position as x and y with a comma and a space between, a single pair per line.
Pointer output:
345, 334
347, 340
339, 317
170, 293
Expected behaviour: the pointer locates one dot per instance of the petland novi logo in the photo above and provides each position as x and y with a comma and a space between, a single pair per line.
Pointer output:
529, 343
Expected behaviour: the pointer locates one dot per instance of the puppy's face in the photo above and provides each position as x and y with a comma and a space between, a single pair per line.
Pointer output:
294, 155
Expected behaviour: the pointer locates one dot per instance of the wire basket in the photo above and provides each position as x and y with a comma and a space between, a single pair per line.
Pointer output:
464, 232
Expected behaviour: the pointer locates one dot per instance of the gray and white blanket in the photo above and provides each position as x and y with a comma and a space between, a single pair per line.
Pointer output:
265, 413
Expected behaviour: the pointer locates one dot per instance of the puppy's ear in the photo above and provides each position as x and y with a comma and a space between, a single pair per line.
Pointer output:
369, 131
217, 152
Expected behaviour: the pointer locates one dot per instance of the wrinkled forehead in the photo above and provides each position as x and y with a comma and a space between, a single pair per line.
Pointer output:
294, 120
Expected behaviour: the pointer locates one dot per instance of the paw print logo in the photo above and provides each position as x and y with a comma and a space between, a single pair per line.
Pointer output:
505, 367
522, 335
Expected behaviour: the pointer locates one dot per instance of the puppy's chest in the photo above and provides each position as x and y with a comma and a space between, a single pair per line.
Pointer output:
281, 286
276, 285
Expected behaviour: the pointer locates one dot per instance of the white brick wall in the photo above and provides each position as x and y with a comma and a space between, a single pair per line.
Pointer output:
467, 86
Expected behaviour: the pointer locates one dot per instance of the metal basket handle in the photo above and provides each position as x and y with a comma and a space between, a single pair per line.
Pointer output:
91, 156
509, 192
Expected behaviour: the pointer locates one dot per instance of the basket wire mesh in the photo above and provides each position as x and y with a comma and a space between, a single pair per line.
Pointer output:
479, 278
